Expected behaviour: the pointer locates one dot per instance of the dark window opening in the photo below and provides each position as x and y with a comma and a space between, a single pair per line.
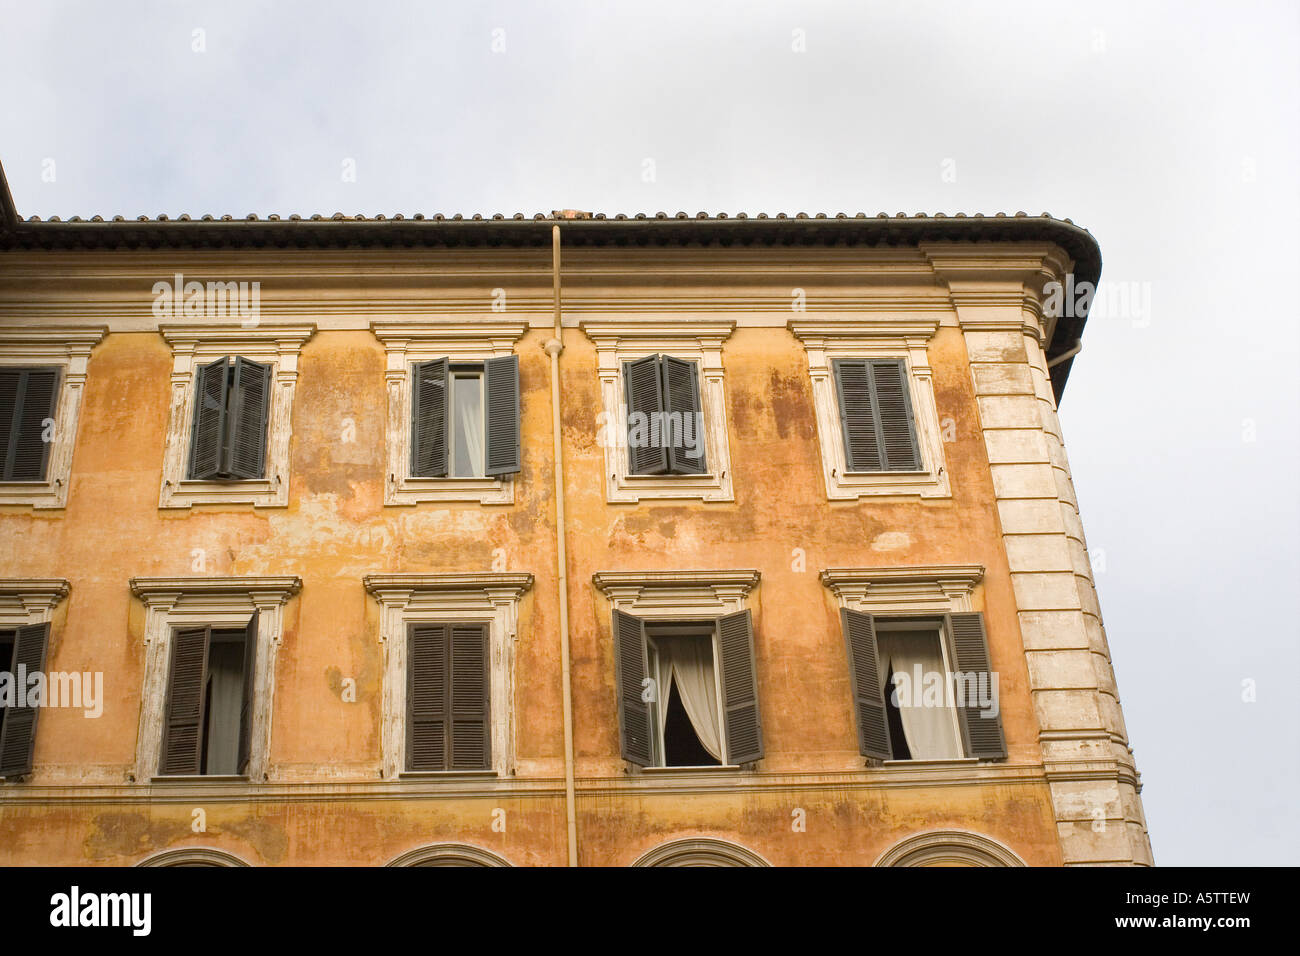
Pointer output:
897, 738
6, 664
682, 747
223, 703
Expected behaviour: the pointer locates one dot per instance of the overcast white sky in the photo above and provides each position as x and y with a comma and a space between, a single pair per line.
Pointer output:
1171, 130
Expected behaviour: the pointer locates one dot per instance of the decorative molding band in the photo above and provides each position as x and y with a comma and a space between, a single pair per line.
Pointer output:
30, 600
940, 847
172, 590
815, 331
611, 331
701, 851
38, 342
235, 333
192, 856
649, 580
449, 854
426, 332
400, 586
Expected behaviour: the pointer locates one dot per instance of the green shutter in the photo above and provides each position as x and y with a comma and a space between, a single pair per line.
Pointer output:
982, 728
18, 738
743, 727
426, 697
470, 714
894, 406
645, 401
249, 405
630, 670
248, 701
429, 420
501, 387
208, 435
864, 678
28, 397
682, 428
186, 689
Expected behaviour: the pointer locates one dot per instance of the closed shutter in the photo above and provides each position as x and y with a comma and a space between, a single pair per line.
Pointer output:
683, 430
247, 703
864, 678
186, 689
426, 697
630, 668
876, 415
18, 739
208, 436
429, 420
740, 689
982, 727
471, 747
249, 408
27, 401
501, 383
645, 401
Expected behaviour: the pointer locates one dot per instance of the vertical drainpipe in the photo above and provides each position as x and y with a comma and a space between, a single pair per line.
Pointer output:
554, 347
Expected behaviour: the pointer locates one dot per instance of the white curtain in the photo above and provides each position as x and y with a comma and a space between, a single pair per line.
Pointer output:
917, 661
688, 661
225, 696
469, 412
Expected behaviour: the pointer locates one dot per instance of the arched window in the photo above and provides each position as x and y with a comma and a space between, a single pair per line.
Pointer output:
949, 848
701, 851
449, 854
192, 856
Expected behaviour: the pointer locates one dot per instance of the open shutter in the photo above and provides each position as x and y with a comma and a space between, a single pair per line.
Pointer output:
630, 669
27, 400
645, 402
894, 410
471, 745
426, 697
18, 739
743, 727
209, 432
857, 415
186, 689
501, 383
250, 405
429, 420
970, 646
864, 677
683, 429
246, 704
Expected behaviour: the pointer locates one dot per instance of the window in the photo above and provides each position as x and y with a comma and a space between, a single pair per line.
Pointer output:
231, 413
228, 438
922, 687
211, 646
873, 396
27, 402
22, 652
209, 701
42, 374
876, 414
448, 681
453, 409
465, 419
665, 426
663, 416
448, 699
685, 669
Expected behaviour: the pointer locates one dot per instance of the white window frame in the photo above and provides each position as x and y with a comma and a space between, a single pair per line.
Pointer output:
491, 598
407, 344
173, 603
824, 341
68, 349
619, 342
197, 345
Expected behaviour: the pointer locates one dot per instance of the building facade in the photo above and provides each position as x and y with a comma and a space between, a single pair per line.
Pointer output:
564, 540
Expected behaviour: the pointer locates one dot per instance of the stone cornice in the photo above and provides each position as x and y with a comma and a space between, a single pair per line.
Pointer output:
424, 331
47, 340
606, 581
169, 590
818, 330
389, 586
33, 594
609, 332
236, 333
944, 586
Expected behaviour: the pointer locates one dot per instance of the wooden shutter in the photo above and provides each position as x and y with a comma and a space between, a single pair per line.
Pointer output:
426, 697
247, 703
894, 407
429, 420
501, 386
208, 436
249, 410
18, 739
470, 715
970, 649
864, 678
645, 401
741, 721
682, 428
630, 669
27, 399
186, 689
